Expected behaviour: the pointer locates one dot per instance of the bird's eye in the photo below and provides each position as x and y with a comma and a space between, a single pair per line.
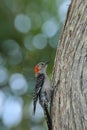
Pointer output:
42, 64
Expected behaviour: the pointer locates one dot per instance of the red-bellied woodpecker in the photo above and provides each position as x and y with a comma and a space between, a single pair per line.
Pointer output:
42, 90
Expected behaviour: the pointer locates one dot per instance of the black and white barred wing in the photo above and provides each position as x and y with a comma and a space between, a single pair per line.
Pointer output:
38, 87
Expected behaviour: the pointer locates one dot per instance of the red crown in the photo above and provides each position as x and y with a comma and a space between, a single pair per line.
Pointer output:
36, 69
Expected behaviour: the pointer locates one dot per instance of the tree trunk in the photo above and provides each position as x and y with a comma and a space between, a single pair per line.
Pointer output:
69, 105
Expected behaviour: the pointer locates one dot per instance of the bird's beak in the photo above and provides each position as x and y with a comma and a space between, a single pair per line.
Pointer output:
47, 62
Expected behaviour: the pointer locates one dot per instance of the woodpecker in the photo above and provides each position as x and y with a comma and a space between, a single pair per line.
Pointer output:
42, 90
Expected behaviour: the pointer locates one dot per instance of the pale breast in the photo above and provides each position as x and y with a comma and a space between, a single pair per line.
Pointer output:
46, 85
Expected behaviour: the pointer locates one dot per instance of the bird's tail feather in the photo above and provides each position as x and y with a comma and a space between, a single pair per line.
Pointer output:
48, 118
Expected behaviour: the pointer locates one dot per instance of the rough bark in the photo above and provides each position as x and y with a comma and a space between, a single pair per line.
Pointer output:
69, 106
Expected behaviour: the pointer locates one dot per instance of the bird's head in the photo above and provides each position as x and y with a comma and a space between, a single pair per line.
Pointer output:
41, 67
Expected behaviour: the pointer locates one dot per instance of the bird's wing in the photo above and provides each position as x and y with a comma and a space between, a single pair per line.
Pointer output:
39, 83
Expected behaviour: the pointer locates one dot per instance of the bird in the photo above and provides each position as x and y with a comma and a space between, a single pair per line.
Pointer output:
42, 91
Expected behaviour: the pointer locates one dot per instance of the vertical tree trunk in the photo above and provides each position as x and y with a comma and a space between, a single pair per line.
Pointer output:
69, 105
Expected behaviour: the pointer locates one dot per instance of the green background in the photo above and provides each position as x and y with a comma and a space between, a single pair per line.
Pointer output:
29, 33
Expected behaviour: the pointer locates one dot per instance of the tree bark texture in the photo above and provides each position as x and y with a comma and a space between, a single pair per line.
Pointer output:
69, 105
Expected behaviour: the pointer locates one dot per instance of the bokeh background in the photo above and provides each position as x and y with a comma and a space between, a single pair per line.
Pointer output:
29, 33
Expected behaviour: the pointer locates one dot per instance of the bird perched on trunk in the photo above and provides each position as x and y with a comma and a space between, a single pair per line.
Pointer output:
42, 90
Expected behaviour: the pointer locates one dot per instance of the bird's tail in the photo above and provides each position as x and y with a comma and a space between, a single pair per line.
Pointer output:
48, 118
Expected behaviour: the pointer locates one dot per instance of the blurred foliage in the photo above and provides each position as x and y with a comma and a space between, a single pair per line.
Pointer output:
29, 33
